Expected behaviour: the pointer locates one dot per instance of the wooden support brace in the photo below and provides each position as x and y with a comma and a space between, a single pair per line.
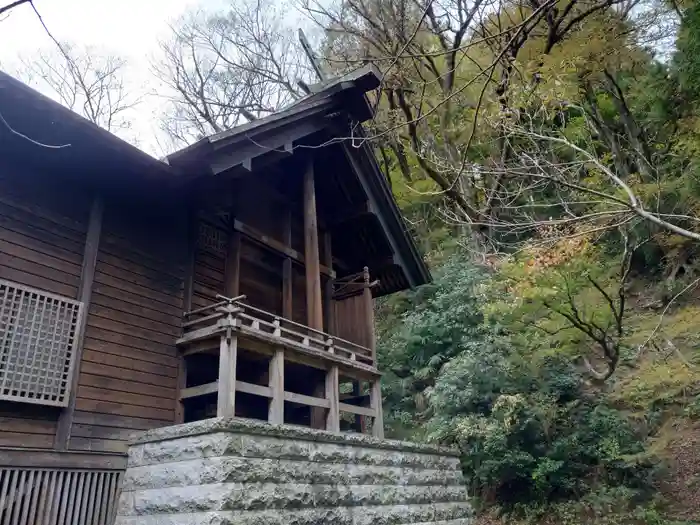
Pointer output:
226, 405
276, 411
333, 414
375, 401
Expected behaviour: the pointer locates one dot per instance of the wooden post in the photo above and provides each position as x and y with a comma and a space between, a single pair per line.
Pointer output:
328, 313
192, 234
369, 312
233, 265
87, 276
287, 277
359, 420
333, 415
226, 405
314, 302
375, 401
276, 384
181, 385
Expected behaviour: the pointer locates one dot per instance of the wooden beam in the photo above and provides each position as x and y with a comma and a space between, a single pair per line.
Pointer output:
333, 414
87, 276
276, 245
276, 411
226, 405
210, 388
354, 409
199, 390
252, 388
232, 276
375, 396
301, 399
314, 303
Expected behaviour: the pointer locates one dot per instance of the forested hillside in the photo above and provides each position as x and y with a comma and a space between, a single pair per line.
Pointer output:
558, 346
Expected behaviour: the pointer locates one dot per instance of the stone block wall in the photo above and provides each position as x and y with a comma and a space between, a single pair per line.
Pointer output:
239, 472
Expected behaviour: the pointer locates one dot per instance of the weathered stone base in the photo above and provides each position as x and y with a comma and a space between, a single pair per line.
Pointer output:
239, 472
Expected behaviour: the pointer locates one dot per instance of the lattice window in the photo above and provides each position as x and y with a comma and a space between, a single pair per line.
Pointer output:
212, 238
38, 338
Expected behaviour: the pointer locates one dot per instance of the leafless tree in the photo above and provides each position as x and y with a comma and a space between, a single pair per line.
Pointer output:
606, 337
86, 80
221, 68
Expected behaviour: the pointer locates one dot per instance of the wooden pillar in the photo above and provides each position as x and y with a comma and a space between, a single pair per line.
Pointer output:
333, 414
233, 264
192, 239
369, 313
328, 313
375, 401
276, 384
181, 385
87, 276
287, 276
314, 302
359, 420
228, 349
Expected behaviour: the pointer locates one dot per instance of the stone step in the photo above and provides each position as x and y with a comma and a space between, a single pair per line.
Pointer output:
260, 470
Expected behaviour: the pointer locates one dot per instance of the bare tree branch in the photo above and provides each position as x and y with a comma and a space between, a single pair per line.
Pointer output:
85, 80
220, 68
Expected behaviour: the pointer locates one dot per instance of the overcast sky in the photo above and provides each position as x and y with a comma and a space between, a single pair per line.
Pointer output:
128, 28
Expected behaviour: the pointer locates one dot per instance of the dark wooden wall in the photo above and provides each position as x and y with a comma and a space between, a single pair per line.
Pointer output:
211, 246
128, 375
42, 237
351, 320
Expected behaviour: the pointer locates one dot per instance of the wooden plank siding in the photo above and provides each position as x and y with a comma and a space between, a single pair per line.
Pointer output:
42, 237
209, 265
351, 320
128, 374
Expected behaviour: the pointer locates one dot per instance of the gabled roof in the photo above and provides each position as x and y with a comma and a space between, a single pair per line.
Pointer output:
91, 153
334, 108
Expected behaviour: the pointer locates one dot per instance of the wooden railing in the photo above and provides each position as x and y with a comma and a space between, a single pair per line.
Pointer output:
221, 324
256, 323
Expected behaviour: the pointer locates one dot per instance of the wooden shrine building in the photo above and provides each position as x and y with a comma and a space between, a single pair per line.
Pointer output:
234, 278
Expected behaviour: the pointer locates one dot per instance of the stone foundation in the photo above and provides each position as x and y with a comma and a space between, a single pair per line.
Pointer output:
240, 472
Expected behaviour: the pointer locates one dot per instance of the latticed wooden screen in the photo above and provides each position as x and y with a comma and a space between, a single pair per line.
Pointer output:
212, 238
38, 337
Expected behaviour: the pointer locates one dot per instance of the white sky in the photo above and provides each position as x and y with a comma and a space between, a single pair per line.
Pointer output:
128, 28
